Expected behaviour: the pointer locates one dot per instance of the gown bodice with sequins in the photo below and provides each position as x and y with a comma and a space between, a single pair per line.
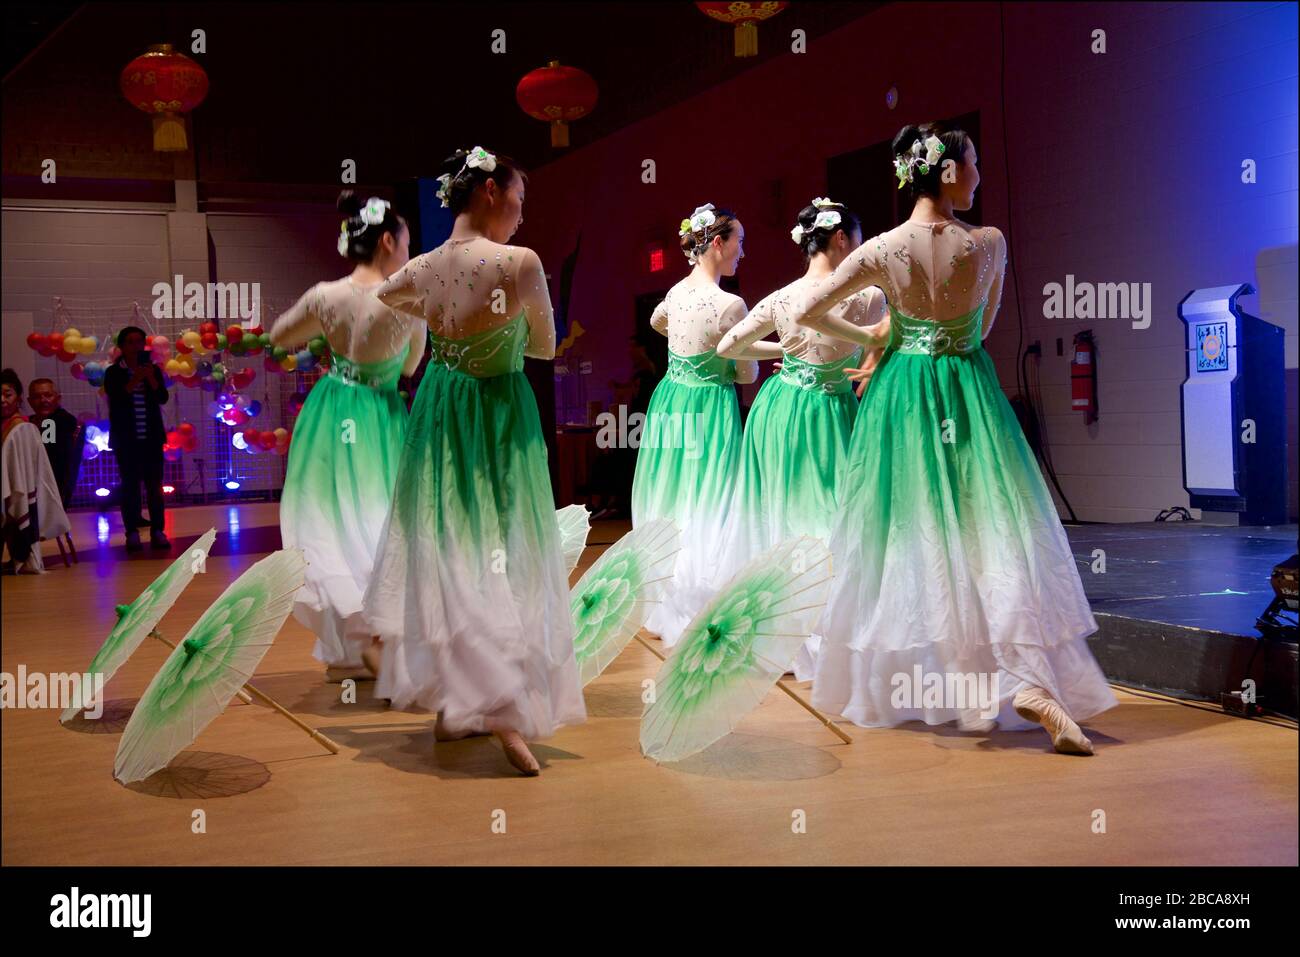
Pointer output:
773, 314
354, 323
695, 318
956, 337
485, 354
466, 288
382, 375
946, 273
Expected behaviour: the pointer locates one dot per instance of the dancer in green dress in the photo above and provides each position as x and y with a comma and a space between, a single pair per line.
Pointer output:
343, 459
471, 594
952, 569
690, 443
797, 434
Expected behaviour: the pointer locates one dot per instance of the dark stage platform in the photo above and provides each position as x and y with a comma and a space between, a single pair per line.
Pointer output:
1177, 604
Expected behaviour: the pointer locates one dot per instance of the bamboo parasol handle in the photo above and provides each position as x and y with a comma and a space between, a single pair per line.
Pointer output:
325, 742
315, 735
830, 725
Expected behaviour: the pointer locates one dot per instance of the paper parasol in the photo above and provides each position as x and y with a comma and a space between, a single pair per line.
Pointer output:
736, 649
575, 525
614, 597
218, 655
136, 620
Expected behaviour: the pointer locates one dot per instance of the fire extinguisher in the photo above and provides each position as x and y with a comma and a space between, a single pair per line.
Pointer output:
1083, 376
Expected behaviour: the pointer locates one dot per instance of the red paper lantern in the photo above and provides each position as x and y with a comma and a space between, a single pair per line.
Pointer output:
165, 84
557, 95
744, 16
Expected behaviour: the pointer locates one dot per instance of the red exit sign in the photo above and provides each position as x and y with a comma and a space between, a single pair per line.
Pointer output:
656, 258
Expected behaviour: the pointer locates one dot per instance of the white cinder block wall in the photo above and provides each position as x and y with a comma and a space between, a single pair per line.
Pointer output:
99, 257
1126, 167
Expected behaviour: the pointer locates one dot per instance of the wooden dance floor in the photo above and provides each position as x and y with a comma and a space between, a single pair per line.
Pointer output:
1176, 784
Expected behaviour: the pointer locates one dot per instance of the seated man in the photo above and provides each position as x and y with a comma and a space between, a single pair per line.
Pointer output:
30, 495
60, 432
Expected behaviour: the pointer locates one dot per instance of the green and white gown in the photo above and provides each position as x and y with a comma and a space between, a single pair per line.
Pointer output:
690, 445
470, 594
949, 557
343, 458
795, 448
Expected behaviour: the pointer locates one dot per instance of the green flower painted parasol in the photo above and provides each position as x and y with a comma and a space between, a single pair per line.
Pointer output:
736, 649
136, 620
210, 666
613, 598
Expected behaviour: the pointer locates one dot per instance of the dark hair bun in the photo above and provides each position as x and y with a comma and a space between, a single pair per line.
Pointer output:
349, 203
954, 147
363, 239
464, 179
905, 138
817, 240
695, 242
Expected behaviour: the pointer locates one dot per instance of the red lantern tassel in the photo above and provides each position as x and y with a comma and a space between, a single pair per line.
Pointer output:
746, 39
559, 133
169, 133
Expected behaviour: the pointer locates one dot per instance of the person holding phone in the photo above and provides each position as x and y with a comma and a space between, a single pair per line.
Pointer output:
136, 395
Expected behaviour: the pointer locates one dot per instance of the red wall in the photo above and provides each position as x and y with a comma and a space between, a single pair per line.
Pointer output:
1125, 167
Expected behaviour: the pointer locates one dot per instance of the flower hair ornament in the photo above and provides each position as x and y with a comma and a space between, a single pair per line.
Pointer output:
923, 154
826, 219
477, 158
699, 221
371, 214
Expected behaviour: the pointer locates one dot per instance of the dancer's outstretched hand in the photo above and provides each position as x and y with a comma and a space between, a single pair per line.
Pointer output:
861, 377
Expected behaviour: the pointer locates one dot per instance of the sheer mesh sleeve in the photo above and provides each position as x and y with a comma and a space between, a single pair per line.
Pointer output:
863, 268
659, 319
419, 341
732, 315
301, 322
403, 292
742, 340
999, 256
535, 297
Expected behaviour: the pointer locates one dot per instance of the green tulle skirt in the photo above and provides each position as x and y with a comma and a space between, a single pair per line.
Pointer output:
948, 553
347, 441
470, 592
686, 471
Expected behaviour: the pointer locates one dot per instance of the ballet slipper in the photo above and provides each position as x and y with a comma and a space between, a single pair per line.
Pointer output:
1035, 704
517, 754
442, 734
